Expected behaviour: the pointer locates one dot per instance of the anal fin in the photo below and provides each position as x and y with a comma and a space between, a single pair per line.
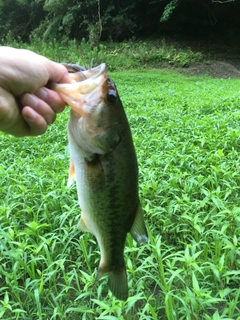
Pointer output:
82, 225
138, 230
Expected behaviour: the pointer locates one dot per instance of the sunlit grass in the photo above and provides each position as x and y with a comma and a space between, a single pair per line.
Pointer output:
186, 133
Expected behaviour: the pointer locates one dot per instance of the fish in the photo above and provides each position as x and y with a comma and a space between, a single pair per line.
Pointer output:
103, 163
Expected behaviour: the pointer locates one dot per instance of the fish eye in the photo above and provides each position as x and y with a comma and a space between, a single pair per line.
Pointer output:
112, 96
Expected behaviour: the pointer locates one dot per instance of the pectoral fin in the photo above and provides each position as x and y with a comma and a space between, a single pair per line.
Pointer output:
72, 175
138, 230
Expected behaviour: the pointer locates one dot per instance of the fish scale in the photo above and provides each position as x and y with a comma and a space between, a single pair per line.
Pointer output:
104, 165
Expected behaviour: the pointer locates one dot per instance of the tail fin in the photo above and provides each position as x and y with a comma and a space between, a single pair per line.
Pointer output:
117, 282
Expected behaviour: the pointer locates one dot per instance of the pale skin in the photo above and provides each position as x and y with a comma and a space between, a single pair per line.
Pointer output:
27, 105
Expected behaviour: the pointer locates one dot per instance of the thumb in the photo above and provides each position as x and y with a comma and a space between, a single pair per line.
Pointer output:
58, 73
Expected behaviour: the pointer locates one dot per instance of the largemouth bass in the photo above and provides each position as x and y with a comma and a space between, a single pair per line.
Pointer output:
103, 162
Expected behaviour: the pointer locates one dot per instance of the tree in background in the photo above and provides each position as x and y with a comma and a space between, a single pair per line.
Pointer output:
117, 19
90, 19
20, 17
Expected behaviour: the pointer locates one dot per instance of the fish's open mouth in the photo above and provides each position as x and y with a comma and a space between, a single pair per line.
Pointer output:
79, 73
86, 87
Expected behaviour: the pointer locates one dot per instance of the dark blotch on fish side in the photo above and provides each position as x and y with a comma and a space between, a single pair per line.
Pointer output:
112, 96
95, 158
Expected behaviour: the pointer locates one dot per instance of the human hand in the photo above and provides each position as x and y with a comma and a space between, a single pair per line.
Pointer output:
27, 106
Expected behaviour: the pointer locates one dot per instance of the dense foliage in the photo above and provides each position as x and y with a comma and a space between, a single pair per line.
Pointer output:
102, 19
118, 56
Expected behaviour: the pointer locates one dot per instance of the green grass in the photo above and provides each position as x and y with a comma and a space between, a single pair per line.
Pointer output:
186, 132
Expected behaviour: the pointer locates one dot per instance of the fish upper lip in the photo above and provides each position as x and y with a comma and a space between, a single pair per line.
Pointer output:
94, 72
87, 73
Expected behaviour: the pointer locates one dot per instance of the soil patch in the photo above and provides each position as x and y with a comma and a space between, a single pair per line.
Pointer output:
222, 59
214, 68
